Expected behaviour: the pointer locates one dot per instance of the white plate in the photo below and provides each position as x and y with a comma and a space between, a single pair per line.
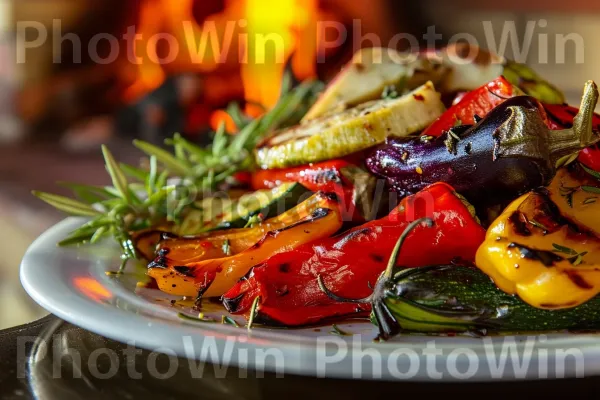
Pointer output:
72, 283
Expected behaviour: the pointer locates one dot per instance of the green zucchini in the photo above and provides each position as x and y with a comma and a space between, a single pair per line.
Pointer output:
214, 213
462, 298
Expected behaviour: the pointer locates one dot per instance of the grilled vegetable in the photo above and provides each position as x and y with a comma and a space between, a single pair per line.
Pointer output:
507, 153
369, 72
209, 265
224, 213
455, 298
350, 262
476, 103
354, 186
468, 67
531, 83
471, 66
358, 128
545, 246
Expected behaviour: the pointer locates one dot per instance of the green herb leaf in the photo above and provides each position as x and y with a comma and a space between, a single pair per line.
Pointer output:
228, 320
591, 189
67, 205
337, 331
590, 171
563, 249
200, 318
134, 172
88, 193
116, 174
253, 312
152, 175
566, 160
538, 225
590, 200
163, 156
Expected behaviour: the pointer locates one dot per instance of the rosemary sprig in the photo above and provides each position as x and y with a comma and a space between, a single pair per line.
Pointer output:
574, 257
253, 312
141, 198
335, 330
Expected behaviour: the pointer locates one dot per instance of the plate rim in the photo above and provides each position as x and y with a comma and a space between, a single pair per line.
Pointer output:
83, 314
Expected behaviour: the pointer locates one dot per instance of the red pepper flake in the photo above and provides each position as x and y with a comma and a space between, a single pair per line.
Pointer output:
419, 97
206, 245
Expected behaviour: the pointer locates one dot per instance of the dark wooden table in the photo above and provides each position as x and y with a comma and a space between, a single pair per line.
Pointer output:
37, 361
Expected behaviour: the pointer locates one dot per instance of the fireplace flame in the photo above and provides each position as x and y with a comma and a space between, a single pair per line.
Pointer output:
254, 38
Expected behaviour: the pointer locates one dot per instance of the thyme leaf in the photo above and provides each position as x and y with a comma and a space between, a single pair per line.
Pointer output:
335, 330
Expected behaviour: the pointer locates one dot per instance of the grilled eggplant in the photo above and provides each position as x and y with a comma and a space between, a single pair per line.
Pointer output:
506, 154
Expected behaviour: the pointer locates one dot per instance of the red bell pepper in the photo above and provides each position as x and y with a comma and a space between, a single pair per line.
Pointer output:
326, 176
476, 102
351, 262
560, 116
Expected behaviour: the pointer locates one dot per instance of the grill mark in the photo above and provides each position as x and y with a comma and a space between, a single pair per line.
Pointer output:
185, 271
578, 280
551, 305
518, 222
161, 259
350, 236
233, 304
547, 258
316, 215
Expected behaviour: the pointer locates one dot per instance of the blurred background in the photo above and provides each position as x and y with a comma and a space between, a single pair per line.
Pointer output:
65, 87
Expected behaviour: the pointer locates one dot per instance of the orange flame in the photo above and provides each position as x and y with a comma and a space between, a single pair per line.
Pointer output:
256, 37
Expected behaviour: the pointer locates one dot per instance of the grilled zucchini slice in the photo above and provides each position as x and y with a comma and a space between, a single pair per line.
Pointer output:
368, 73
346, 132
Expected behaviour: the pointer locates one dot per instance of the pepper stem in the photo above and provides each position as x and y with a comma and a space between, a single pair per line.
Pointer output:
387, 274
564, 145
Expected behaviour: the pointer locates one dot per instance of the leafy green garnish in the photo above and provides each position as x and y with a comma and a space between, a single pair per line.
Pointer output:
140, 198
389, 92
335, 330
200, 318
228, 320
253, 312
574, 258
590, 171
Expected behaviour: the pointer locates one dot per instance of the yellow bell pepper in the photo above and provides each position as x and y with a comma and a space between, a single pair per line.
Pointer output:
545, 247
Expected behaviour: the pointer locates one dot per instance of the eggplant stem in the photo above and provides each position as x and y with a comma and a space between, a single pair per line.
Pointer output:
583, 121
566, 143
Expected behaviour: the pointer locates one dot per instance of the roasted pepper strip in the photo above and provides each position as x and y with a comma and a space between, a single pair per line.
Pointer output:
351, 262
211, 265
545, 246
327, 176
478, 102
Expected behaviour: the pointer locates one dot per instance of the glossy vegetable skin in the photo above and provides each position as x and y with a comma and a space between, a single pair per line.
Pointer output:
545, 246
333, 176
457, 298
478, 102
209, 265
325, 176
507, 153
351, 262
